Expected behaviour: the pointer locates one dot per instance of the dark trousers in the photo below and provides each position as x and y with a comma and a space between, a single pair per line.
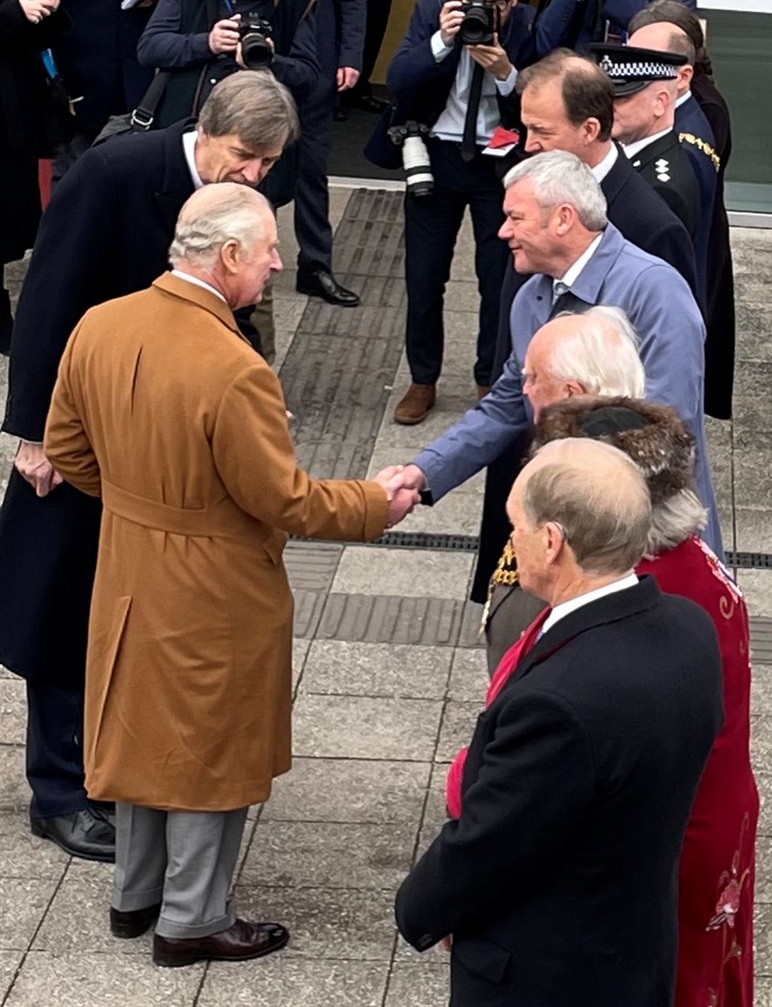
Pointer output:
377, 20
55, 750
312, 200
431, 228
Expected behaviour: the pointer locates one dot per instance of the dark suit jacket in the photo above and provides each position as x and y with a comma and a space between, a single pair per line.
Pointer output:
559, 880
106, 233
643, 218
421, 85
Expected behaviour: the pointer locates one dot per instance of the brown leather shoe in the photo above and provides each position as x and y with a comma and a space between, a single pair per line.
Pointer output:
239, 943
415, 404
133, 923
482, 391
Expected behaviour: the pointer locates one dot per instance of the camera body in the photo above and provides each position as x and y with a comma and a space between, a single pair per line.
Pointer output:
254, 32
481, 22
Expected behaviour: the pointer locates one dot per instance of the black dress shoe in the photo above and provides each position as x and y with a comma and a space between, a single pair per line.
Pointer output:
367, 103
133, 923
239, 943
82, 834
322, 284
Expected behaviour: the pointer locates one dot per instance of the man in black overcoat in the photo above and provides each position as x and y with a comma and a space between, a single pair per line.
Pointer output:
557, 883
567, 103
105, 234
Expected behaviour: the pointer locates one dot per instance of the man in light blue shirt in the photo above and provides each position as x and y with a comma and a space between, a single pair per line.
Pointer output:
556, 228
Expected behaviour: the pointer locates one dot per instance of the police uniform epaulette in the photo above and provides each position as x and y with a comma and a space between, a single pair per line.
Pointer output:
706, 148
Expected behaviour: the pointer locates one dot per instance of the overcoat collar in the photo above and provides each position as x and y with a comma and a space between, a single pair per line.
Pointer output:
610, 608
197, 295
177, 185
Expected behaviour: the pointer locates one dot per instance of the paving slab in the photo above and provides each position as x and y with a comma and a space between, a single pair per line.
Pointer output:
376, 619
9, 964
80, 979
343, 923
419, 984
756, 585
361, 727
13, 711
468, 675
376, 669
23, 901
458, 723
24, 855
368, 570
14, 792
328, 855
350, 790
761, 689
294, 982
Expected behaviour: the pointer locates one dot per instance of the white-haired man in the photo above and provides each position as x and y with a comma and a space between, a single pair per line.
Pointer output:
591, 354
180, 428
556, 227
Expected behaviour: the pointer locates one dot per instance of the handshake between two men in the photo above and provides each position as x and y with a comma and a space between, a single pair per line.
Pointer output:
403, 485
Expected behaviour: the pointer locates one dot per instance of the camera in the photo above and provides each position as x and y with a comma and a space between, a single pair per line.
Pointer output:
481, 22
415, 157
254, 32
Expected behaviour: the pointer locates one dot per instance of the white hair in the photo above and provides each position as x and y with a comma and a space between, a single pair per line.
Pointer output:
601, 354
231, 212
674, 520
559, 177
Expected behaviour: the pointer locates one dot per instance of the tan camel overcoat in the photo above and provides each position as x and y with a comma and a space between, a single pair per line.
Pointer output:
166, 412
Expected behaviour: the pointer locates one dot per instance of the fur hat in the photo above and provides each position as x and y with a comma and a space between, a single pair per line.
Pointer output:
652, 435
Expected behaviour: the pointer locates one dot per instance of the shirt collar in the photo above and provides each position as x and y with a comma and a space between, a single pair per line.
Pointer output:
571, 275
683, 99
631, 149
189, 150
199, 283
566, 607
601, 170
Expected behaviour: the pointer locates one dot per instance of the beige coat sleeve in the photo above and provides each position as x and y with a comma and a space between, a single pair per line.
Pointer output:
255, 458
66, 443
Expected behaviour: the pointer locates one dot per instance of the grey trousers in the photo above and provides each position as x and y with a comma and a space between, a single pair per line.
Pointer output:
183, 859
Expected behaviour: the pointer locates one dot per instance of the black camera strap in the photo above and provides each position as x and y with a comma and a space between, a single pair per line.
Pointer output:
144, 114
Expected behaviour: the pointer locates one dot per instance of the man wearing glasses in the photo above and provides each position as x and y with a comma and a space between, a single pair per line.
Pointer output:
463, 92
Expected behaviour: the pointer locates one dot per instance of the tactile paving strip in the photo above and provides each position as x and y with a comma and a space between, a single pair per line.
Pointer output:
761, 640
439, 622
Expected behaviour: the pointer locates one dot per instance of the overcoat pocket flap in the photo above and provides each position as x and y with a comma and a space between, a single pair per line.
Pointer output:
483, 958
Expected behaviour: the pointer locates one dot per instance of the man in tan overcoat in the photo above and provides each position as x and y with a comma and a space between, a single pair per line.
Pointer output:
163, 410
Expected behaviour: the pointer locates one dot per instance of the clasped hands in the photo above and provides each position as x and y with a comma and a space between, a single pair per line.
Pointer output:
492, 58
403, 485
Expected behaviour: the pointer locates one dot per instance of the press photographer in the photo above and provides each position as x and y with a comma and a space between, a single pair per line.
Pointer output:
201, 41
455, 73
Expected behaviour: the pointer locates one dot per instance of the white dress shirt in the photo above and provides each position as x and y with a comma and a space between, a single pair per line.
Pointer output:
199, 283
571, 275
631, 149
450, 125
565, 608
188, 149
601, 170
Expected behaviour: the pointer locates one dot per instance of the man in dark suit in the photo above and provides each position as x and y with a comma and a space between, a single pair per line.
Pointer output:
340, 26
106, 233
558, 882
463, 92
567, 103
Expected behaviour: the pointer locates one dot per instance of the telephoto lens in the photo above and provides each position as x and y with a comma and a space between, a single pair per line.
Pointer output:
418, 167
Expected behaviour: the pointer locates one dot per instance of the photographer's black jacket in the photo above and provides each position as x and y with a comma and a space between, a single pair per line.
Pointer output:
421, 85
177, 39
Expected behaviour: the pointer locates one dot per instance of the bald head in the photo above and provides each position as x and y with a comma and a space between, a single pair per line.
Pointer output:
664, 37
215, 215
595, 498
595, 353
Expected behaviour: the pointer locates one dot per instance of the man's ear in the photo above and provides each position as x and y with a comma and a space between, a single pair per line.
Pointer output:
575, 388
230, 256
590, 130
555, 541
566, 215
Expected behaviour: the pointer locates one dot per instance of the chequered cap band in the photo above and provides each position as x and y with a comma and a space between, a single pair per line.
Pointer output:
641, 70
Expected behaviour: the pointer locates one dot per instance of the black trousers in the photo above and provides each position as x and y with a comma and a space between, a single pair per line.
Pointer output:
377, 20
432, 224
312, 199
55, 750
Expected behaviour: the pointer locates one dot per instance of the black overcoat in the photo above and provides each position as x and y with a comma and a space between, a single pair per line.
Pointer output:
720, 322
643, 218
22, 140
559, 881
106, 233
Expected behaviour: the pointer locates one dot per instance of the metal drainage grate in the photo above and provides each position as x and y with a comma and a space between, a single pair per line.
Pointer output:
468, 543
